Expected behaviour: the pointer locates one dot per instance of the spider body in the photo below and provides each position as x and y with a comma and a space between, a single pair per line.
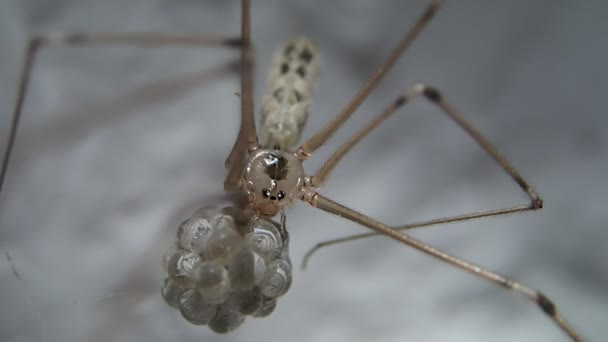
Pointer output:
271, 179
230, 262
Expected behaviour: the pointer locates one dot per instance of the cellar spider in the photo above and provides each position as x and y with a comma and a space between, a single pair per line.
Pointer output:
267, 195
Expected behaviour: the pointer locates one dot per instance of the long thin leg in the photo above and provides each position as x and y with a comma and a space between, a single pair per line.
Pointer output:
435, 97
331, 127
141, 39
247, 138
544, 303
420, 224
78, 39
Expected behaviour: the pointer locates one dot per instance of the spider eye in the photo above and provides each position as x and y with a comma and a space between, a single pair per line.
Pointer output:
281, 195
265, 192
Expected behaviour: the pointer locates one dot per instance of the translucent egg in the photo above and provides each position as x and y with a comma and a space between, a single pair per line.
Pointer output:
170, 261
225, 265
265, 240
171, 292
188, 263
223, 221
194, 309
246, 269
180, 264
249, 301
212, 281
277, 279
268, 306
227, 318
194, 233
223, 241
180, 231
259, 268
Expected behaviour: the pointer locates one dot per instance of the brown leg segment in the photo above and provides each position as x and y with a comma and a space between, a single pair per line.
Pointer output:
247, 139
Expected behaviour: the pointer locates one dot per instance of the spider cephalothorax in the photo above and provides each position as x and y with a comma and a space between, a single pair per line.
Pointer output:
271, 179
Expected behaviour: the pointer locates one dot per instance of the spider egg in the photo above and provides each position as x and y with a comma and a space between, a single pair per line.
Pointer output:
265, 239
268, 306
188, 263
277, 279
246, 269
223, 241
227, 318
249, 301
194, 233
180, 264
212, 281
194, 309
170, 261
171, 292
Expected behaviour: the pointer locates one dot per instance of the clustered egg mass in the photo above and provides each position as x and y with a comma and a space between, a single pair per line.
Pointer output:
224, 267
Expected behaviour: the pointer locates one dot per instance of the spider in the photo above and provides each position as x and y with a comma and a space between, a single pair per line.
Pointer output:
270, 174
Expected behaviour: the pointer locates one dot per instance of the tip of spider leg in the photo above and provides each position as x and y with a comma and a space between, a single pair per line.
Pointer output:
537, 203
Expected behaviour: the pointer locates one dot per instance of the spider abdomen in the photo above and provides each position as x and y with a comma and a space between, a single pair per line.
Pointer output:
291, 82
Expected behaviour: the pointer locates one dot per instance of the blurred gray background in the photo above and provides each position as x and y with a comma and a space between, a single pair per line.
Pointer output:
118, 145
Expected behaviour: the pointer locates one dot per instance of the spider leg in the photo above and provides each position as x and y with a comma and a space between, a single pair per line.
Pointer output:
434, 96
247, 139
36, 42
545, 304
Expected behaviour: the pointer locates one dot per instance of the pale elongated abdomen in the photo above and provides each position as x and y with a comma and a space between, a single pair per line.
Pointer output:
290, 86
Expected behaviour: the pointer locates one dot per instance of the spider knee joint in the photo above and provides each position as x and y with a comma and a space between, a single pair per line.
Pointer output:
546, 304
536, 203
432, 94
